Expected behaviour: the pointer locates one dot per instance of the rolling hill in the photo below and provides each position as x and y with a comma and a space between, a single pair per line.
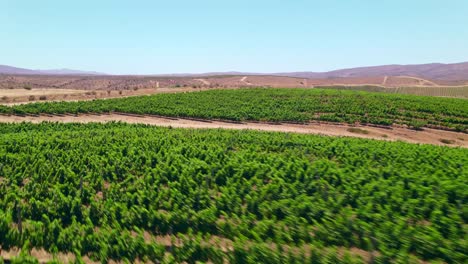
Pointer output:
435, 71
5, 69
432, 71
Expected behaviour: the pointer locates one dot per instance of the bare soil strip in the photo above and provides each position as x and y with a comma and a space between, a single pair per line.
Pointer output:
205, 82
421, 81
385, 80
85, 95
38, 92
426, 136
244, 80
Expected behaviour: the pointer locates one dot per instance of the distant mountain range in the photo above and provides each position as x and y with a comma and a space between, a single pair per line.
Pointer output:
433, 71
5, 69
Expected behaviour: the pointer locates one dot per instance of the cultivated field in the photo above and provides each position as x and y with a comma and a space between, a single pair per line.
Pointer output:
141, 193
425, 136
131, 192
440, 91
277, 105
29, 88
243, 132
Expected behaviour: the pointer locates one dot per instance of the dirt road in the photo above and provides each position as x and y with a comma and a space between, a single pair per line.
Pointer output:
99, 94
427, 136
205, 82
385, 81
422, 82
244, 80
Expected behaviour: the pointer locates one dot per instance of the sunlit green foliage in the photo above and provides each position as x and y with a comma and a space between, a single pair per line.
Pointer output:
447, 91
111, 191
296, 105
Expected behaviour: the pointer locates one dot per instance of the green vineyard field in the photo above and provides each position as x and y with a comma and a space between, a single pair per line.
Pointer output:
114, 191
293, 105
443, 91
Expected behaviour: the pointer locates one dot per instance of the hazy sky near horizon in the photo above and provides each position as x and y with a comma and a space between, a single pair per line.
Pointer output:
176, 36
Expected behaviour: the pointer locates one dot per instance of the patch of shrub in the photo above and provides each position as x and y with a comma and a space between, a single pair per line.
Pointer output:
357, 130
417, 125
447, 141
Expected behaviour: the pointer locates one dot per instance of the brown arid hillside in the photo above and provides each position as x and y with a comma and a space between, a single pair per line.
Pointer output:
5, 69
433, 71
22, 85
110, 82
454, 72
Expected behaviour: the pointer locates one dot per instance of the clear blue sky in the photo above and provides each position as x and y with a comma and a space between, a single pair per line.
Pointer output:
144, 37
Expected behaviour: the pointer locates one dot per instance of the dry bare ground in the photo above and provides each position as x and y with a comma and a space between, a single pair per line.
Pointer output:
203, 81
22, 96
122, 83
38, 92
426, 136
30, 88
